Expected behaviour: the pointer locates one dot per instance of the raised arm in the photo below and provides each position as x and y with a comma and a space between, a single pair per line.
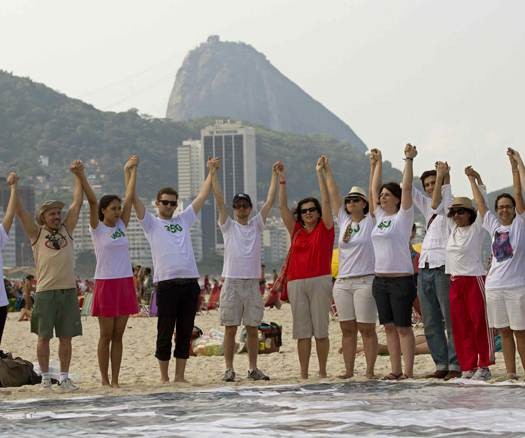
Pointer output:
286, 214
376, 177
336, 200
92, 200
475, 181
516, 162
326, 207
130, 179
70, 222
205, 189
217, 193
28, 222
442, 174
12, 180
408, 176
270, 197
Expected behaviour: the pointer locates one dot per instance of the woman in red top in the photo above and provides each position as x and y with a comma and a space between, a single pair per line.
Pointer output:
309, 269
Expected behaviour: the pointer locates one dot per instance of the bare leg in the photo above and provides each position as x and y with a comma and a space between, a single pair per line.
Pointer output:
116, 348
349, 346
304, 348
180, 368
253, 347
106, 326
229, 345
64, 353
394, 348
163, 367
370, 346
520, 341
509, 349
408, 346
322, 346
42, 353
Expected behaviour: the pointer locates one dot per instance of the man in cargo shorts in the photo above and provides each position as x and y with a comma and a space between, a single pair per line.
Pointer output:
240, 296
56, 304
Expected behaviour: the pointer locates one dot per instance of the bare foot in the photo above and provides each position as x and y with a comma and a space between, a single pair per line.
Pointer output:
105, 382
322, 375
346, 376
164, 381
371, 376
115, 385
304, 376
180, 380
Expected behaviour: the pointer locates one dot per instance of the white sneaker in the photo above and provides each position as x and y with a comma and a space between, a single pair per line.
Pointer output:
46, 384
67, 385
482, 373
468, 374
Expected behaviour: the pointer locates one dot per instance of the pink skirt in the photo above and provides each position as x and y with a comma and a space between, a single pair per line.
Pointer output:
114, 297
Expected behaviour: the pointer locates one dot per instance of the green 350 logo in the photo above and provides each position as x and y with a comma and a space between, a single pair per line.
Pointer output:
117, 234
384, 224
173, 228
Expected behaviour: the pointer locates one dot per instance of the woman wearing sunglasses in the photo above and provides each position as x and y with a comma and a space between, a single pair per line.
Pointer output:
393, 286
356, 306
472, 337
309, 269
114, 298
505, 283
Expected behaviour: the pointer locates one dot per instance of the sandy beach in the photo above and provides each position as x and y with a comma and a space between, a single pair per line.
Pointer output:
139, 371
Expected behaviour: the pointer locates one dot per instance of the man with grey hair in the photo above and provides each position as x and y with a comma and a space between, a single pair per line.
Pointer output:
56, 309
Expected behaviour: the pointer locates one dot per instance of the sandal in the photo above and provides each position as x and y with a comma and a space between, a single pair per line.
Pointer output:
392, 376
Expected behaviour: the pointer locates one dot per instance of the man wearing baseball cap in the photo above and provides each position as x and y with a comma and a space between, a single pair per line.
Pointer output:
56, 310
241, 299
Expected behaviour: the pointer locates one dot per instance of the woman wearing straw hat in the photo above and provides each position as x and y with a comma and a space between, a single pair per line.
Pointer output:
472, 337
356, 306
114, 298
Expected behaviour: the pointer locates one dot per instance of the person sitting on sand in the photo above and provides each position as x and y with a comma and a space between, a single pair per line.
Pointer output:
241, 299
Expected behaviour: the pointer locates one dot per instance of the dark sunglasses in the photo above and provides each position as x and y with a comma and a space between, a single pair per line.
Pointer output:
354, 199
241, 205
460, 211
308, 210
170, 203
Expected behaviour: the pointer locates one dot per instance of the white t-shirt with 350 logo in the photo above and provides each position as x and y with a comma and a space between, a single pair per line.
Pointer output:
171, 248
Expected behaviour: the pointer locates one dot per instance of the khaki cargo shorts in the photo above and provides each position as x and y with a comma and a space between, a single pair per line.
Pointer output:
241, 300
58, 311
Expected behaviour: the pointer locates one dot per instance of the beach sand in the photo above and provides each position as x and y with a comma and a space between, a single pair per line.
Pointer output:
140, 374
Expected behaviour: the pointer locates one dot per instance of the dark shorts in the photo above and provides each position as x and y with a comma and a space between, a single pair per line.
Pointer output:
394, 297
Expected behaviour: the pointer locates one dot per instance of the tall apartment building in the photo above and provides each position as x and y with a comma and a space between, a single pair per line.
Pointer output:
22, 245
9, 251
276, 241
190, 163
235, 145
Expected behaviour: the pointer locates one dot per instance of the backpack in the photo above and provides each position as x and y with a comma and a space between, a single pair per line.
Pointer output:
17, 372
270, 339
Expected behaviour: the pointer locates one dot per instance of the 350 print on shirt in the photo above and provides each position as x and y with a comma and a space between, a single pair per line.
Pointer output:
173, 228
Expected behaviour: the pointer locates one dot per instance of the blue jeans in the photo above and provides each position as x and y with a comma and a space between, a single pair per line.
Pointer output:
433, 292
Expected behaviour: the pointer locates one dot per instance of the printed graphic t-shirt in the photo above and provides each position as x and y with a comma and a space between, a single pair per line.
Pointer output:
171, 248
507, 269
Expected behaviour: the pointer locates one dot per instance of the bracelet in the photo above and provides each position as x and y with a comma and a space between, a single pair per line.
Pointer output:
282, 182
408, 158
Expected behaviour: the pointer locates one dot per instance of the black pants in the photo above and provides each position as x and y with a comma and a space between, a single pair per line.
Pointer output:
3, 317
177, 304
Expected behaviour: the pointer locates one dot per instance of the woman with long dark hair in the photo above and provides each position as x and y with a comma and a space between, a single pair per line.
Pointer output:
114, 298
309, 268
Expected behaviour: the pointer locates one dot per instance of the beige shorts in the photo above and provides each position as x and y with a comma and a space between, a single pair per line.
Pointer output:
506, 308
310, 300
354, 300
241, 300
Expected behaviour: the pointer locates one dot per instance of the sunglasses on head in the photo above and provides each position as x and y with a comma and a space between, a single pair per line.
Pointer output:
308, 210
170, 203
241, 205
460, 211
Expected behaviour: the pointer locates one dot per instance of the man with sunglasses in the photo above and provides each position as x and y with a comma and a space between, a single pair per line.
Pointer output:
174, 271
433, 283
241, 299
56, 304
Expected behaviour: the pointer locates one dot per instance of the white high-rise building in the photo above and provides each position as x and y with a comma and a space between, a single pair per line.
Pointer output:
9, 251
235, 145
190, 168
276, 241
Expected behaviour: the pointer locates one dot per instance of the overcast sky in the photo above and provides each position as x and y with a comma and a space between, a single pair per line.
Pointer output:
445, 75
